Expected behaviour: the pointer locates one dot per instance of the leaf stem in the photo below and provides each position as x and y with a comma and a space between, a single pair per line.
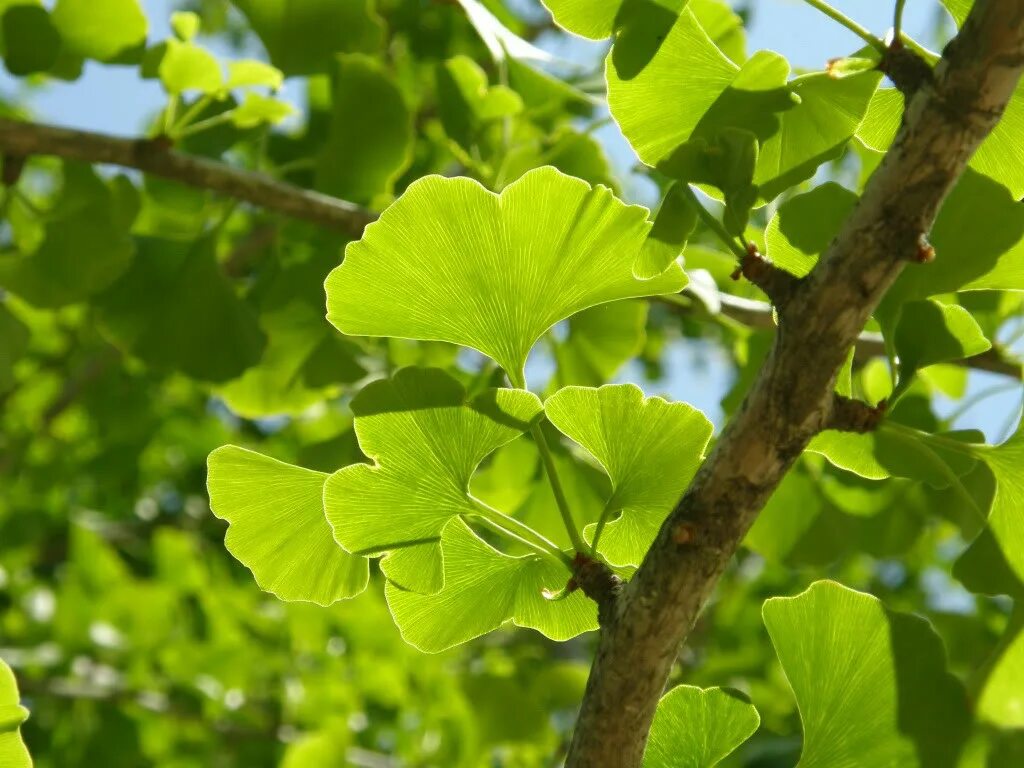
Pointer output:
605, 514
519, 531
556, 488
897, 22
715, 225
966, 449
841, 18
192, 112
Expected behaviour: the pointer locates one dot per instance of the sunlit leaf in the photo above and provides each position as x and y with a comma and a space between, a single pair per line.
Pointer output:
416, 486
100, 29
599, 341
493, 272
871, 684
13, 753
650, 449
277, 527
484, 589
698, 727
929, 332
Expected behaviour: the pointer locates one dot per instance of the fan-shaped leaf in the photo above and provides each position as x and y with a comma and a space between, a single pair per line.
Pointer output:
871, 684
277, 527
100, 29
426, 439
484, 589
492, 272
650, 449
13, 753
698, 727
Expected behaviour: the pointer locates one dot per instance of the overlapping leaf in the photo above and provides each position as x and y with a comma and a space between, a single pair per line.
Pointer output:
483, 589
277, 527
600, 340
426, 440
871, 684
650, 449
492, 272
698, 727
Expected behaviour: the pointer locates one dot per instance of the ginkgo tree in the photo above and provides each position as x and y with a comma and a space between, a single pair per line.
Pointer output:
387, 333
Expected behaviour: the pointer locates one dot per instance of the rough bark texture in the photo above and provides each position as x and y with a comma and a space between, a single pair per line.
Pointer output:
19, 140
792, 397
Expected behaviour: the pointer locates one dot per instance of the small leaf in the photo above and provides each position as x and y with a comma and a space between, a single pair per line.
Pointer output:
187, 67
370, 138
302, 36
650, 449
699, 727
871, 684
100, 29
185, 25
257, 109
426, 440
929, 332
493, 272
277, 527
13, 753
484, 589
250, 73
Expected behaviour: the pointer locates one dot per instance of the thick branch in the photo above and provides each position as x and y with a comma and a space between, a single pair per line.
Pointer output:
791, 398
19, 139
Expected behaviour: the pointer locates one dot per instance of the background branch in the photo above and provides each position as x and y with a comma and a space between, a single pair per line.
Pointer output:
792, 396
19, 139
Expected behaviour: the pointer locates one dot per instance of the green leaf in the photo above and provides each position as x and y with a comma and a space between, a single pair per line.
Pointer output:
257, 109
30, 41
277, 527
871, 684
467, 104
175, 310
369, 141
100, 29
929, 332
698, 727
804, 225
600, 341
249, 73
723, 25
426, 440
484, 589
13, 753
598, 19
187, 67
493, 272
86, 241
650, 449
302, 36
1001, 701
185, 25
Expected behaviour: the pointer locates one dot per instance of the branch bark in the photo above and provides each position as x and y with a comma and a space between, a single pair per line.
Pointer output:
19, 140
791, 399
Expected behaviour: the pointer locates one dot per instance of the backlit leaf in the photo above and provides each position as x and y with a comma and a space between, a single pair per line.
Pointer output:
13, 753
493, 272
100, 29
277, 527
698, 727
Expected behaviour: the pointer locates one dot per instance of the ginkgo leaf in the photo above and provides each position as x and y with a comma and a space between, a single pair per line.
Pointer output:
698, 727
426, 439
100, 29
804, 226
277, 528
13, 753
674, 222
650, 449
491, 272
483, 589
929, 332
683, 87
871, 684
247, 73
1001, 701
257, 109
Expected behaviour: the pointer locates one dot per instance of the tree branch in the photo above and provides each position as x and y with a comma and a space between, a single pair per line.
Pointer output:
791, 399
758, 315
19, 139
